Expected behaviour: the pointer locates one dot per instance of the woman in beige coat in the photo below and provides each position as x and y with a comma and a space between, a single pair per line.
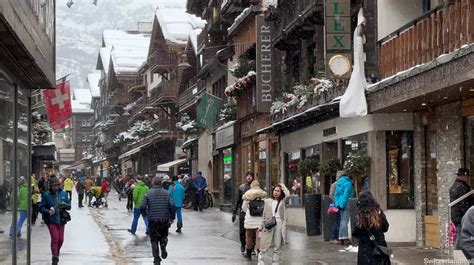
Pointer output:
252, 222
271, 240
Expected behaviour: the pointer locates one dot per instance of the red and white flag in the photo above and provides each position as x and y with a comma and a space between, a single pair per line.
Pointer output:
58, 104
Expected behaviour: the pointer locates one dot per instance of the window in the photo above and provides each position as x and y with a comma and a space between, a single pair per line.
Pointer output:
84, 138
293, 182
84, 123
400, 170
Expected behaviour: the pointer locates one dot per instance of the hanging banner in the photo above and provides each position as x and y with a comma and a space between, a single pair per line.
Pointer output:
58, 104
208, 109
265, 88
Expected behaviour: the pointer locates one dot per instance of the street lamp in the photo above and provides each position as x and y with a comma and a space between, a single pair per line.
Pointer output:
183, 65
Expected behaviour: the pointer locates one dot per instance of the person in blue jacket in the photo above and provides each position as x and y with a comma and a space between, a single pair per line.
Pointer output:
53, 203
177, 193
344, 191
200, 185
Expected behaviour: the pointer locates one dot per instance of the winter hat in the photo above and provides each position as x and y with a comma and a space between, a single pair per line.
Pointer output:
21, 180
54, 181
199, 174
255, 184
166, 178
463, 172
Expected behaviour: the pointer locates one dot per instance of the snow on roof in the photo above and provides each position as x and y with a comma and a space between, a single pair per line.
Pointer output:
93, 80
128, 50
83, 96
193, 35
104, 54
77, 107
176, 24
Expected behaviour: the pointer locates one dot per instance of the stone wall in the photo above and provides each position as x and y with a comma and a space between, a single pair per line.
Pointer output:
420, 193
450, 156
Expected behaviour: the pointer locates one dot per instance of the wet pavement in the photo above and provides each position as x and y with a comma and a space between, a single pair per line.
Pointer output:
100, 236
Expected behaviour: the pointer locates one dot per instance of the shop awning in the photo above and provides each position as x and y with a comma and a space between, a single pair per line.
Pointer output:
188, 143
133, 151
166, 167
76, 165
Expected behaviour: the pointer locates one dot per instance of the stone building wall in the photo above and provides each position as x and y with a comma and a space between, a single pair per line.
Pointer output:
450, 156
420, 193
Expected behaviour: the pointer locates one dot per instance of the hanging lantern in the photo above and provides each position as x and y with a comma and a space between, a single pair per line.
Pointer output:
69, 3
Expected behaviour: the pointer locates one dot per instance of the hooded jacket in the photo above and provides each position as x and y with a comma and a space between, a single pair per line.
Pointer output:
467, 235
199, 184
23, 198
68, 184
139, 193
252, 222
177, 193
344, 191
53, 199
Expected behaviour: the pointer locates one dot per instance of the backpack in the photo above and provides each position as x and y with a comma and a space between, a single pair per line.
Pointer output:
256, 207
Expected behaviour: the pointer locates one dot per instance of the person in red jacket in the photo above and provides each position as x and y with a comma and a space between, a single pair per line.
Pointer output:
104, 191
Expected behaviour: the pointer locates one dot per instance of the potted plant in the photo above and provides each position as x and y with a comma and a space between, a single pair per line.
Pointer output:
357, 165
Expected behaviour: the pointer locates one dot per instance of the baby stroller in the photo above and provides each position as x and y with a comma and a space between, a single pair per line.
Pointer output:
95, 192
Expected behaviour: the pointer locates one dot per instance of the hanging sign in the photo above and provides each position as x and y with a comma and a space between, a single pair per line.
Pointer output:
265, 88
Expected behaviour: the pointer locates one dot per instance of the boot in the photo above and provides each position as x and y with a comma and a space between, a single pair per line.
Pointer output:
179, 227
55, 261
249, 254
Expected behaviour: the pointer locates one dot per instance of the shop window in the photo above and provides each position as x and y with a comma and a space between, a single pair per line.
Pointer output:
311, 181
228, 174
261, 166
353, 144
246, 159
293, 178
400, 170
275, 162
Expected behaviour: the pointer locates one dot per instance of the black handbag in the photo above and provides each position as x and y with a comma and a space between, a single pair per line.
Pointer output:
272, 222
378, 249
256, 207
65, 216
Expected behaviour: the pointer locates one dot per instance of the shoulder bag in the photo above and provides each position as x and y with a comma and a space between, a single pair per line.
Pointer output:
378, 249
270, 223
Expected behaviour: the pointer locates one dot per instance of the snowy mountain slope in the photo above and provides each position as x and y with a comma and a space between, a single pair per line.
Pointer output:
79, 31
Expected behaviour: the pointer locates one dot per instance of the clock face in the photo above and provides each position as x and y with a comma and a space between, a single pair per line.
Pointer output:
339, 65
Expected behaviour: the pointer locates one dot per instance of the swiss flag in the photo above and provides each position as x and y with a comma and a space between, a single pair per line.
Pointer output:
58, 104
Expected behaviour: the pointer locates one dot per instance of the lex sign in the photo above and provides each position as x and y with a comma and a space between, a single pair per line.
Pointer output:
338, 25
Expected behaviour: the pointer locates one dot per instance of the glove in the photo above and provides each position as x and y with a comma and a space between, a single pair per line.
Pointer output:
233, 218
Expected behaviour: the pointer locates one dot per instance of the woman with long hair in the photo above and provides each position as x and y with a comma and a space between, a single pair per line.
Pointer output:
371, 224
272, 238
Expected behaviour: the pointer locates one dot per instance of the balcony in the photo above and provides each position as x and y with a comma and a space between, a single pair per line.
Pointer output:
437, 32
163, 59
119, 97
295, 14
165, 91
33, 45
188, 98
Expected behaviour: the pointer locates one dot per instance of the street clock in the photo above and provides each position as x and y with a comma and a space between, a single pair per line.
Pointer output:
340, 65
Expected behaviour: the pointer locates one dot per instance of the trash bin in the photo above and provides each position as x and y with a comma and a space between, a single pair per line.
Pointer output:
313, 214
327, 219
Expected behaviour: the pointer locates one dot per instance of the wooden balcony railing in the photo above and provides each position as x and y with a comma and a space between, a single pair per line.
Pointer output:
119, 97
164, 91
163, 59
188, 97
442, 30
138, 109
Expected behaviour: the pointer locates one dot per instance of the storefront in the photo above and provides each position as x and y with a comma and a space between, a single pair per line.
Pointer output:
387, 140
224, 162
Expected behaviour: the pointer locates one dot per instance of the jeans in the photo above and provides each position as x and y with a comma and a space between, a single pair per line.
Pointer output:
69, 193
273, 253
158, 237
335, 226
57, 238
179, 216
19, 224
136, 216
343, 228
458, 237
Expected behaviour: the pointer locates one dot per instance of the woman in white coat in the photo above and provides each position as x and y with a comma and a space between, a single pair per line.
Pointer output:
252, 222
271, 240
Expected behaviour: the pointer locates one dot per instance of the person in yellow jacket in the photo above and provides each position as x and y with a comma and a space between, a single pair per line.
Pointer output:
35, 193
68, 186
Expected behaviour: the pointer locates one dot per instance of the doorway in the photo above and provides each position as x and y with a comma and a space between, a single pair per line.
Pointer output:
432, 234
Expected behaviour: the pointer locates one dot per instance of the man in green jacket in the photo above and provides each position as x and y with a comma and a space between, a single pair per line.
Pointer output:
138, 195
22, 206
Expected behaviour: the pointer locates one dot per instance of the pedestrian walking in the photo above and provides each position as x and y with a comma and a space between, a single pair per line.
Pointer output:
273, 230
344, 191
459, 188
166, 182
129, 191
138, 195
22, 207
253, 206
88, 183
467, 235
177, 193
54, 206
80, 192
43, 183
243, 188
35, 196
337, 217
370, 226
104, 192
159, 208
68, 186
200, 185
